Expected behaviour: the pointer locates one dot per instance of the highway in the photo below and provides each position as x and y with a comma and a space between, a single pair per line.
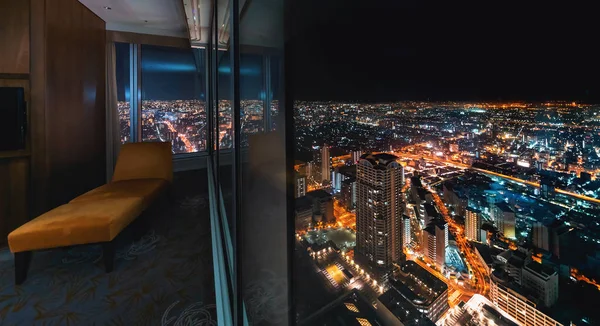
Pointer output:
188, 144
343, 217
480, 275
504, 176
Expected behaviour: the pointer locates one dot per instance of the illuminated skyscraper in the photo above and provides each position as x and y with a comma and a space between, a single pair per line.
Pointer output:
379, 209
299, 185
435, 241
473, 224
325, 163
406, 238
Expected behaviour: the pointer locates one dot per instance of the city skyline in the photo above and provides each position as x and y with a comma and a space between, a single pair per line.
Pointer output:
496, 193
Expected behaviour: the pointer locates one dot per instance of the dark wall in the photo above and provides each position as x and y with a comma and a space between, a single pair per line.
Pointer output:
14, 37
68, 99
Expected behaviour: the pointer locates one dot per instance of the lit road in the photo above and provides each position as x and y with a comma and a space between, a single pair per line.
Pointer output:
535, 184
480, 275
188, 144
343, 217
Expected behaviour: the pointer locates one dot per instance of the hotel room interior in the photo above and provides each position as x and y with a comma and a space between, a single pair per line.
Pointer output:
142, 162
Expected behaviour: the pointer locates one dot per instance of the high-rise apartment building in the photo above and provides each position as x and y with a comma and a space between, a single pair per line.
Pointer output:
473, 224
355, 156
508, 298
379, 209
322, 206
349, 193
406, 235
505, 219
299, 185
540, 236
541, 282
431, 213
435, 241
325, 163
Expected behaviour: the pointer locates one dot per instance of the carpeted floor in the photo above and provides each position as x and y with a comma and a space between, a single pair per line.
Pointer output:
165, 278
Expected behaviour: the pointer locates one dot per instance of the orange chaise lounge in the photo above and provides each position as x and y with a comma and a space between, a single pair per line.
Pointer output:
144, 171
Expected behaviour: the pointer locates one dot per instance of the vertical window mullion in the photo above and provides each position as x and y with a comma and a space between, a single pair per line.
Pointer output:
268, 93
135, 87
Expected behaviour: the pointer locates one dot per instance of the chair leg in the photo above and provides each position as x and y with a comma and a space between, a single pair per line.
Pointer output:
108, 252
171, 196
21, 266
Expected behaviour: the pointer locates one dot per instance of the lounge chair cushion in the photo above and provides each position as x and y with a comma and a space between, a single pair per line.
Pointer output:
146, 189
76, 223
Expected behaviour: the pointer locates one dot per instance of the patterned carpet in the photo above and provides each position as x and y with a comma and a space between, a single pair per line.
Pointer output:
165, 278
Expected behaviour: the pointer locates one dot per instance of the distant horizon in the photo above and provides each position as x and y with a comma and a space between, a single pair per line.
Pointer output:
578, 102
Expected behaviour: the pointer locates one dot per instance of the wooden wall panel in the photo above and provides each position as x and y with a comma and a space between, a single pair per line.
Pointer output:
14, 37
37, 130
75, 44
13, 194
14, 179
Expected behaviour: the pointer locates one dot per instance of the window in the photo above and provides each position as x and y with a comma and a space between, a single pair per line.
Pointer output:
253, 95
173, 91
225, 95
275, 94
173, 97
122, 53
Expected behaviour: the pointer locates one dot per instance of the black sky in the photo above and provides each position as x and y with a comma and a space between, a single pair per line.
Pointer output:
383, 50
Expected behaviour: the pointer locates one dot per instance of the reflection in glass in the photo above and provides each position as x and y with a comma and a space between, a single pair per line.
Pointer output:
252, 95
123, 91
225, 114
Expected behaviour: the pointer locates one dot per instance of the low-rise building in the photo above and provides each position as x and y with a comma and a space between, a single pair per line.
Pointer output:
427, 293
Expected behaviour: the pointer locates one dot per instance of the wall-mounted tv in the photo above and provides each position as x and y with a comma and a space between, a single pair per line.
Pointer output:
13, 118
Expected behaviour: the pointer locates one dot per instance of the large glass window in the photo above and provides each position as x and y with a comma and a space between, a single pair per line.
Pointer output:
253, 95
225, 94
122, 53
275, 95
173, 97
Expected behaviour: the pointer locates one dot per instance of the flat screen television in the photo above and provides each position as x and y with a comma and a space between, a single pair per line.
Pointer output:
13, 118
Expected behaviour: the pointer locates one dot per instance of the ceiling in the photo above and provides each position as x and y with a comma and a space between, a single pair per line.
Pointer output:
156, 17
261, 23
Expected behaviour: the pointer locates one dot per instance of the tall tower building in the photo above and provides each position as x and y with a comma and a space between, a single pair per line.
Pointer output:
299, 185
473, 224
435, 241
325, 163
406, 238
355, 156
379, 209
542, 282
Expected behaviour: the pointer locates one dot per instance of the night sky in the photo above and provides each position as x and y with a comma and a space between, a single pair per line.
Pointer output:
375, 50
180, 74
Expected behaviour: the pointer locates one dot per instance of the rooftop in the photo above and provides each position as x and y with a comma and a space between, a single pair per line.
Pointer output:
403, 309
543, 270
504, 207
319, 194
348, 310
381, 160
303, 203
418, 285
430, 209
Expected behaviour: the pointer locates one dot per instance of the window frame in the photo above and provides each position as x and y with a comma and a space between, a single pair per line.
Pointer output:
135, 85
